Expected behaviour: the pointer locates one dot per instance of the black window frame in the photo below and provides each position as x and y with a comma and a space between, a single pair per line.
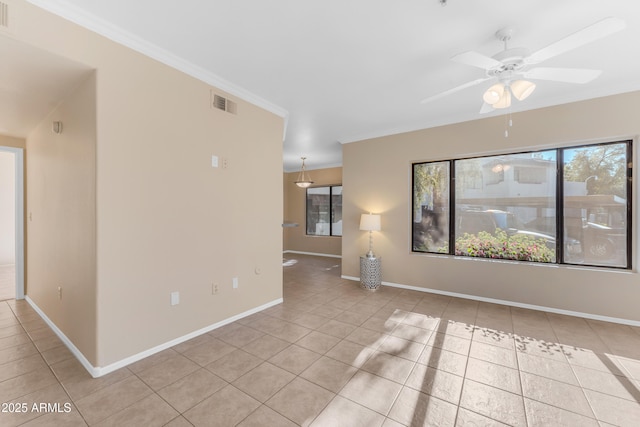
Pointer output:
331, 210
559, 202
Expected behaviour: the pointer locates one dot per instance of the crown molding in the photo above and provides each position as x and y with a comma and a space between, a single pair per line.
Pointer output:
116, 34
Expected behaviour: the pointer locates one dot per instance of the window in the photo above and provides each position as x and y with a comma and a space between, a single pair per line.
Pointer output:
567, 205
324, 211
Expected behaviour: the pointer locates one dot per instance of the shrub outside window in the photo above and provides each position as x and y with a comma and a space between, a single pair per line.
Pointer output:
567, 205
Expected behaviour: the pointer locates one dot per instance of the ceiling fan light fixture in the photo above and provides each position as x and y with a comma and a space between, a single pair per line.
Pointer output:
522, 89
493, 94
504, 101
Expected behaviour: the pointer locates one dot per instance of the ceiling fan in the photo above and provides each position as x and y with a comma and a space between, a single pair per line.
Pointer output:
511, 67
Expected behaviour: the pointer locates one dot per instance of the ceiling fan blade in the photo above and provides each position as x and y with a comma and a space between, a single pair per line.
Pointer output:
476, 59
486, 108
566, 75
454, 90
587, 35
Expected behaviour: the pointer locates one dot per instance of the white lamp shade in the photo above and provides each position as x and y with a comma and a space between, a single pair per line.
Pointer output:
504, 101
522, 89
370, 222
493, 94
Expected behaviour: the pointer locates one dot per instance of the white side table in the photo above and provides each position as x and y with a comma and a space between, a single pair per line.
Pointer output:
370, 272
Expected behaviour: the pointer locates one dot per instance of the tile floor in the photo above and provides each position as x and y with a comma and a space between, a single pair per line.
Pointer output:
336, 355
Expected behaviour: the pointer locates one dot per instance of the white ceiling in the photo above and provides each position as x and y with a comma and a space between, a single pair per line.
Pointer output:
344, 70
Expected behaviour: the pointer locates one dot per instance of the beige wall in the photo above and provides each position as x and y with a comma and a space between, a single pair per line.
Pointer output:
12, 141
7, 207
166, 220
295, 238
383, 184
61, 217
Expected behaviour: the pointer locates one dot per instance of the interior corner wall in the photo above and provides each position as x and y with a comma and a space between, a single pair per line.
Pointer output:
383, 184
61, 217
166, 219
7, 208
295, 238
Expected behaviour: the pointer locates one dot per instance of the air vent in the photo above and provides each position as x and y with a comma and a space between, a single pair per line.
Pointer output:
4, 15
224, 104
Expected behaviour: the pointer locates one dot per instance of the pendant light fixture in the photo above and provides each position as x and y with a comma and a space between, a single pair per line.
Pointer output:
303, 181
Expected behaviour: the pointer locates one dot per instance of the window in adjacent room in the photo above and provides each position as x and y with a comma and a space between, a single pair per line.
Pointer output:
324, 211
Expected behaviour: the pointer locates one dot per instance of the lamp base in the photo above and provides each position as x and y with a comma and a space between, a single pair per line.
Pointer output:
370, 254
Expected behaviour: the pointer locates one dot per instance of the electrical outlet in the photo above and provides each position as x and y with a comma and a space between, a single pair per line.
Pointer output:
235, 283
214, 289
59, 292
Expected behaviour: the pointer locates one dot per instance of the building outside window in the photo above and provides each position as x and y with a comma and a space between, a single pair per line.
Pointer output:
566, 205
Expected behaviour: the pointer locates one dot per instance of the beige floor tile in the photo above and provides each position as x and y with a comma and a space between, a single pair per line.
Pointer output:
167, 372
227, 407
540, 347
444, 360
58, 419
468, 418
26, 383
318, 342
112, 399
440, 384
608, 383
413, 408
336, 329
294, 359
53, 395
17, 352
187, 392
179, 421
548, 368
300, 401
400, 347
380, 325
234, 365
494, 354
311, 321
541, 414
343, 412
498, 376
493, 403
291, 332
329, 373
265, 416
494, 337
421, 321
390, 367
264, 381
83, 384
372, 391
266, 346
208, 352
154, 359
555, 393
14, 340
613, 410
367, 337
150, 411
21, 366
412, 333
326, 311
194, 342
352, 318
350, 353
57, 354
449, 343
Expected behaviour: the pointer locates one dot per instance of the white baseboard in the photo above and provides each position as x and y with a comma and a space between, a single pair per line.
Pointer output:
311, 253
103, 370
509, 303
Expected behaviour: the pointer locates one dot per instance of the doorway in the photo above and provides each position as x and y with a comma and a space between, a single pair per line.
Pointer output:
11, 223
